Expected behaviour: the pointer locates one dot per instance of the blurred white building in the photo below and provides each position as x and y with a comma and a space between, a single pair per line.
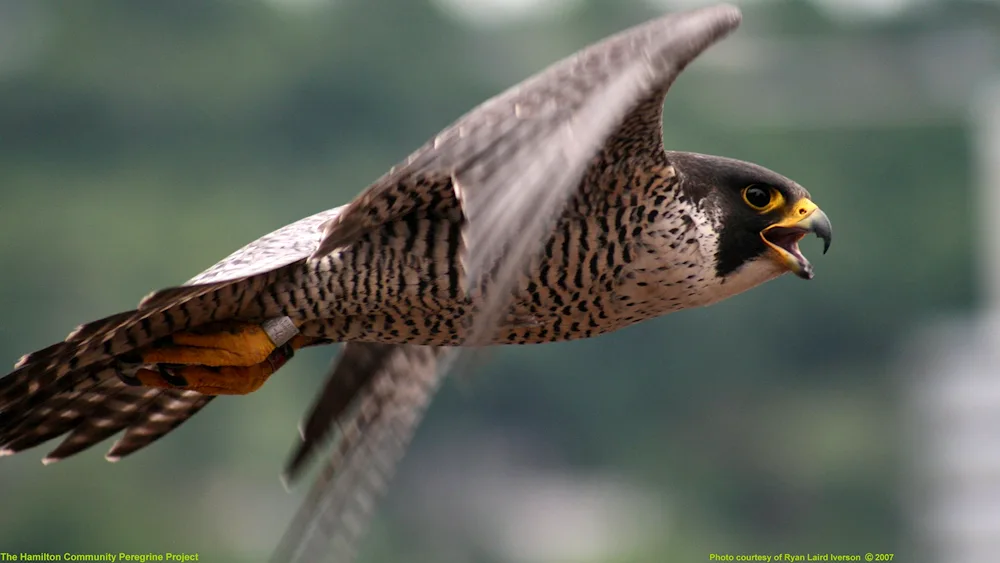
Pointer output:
952, 369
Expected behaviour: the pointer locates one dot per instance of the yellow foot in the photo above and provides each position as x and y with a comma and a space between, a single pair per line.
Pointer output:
216, 380
240, 345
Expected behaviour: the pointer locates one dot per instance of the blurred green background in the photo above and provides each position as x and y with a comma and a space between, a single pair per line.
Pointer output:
141, 141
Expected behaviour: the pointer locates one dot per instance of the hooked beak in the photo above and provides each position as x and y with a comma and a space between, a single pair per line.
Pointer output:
783, 237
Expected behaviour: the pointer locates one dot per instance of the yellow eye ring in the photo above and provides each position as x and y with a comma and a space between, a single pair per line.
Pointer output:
762, 198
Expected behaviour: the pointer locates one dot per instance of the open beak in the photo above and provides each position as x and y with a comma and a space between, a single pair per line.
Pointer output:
783, 237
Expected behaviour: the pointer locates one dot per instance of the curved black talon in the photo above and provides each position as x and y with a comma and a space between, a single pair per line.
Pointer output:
174, 380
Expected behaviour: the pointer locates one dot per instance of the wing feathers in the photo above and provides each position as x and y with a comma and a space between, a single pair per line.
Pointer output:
92, 407
106, 416
532, 110
517, 159
354, 369
373, 436
166, 412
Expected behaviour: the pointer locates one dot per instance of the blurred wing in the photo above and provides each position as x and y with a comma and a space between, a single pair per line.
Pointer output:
72, 387
351, 372
392, 386
516, 160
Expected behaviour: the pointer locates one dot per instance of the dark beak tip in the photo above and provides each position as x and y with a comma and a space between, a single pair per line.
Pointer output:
823, 230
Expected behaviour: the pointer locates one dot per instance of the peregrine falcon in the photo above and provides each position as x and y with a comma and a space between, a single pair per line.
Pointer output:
550, 212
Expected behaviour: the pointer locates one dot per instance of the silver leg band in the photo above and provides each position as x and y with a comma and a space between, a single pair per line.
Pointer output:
280, 330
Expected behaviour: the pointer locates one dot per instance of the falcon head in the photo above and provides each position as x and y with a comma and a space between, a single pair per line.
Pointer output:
757, 217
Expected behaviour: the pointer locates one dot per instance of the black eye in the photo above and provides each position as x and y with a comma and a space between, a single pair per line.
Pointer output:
757, 197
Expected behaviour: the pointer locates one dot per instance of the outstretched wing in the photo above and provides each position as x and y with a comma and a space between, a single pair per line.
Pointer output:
72, 386
375, 398
350, 375
515, 161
